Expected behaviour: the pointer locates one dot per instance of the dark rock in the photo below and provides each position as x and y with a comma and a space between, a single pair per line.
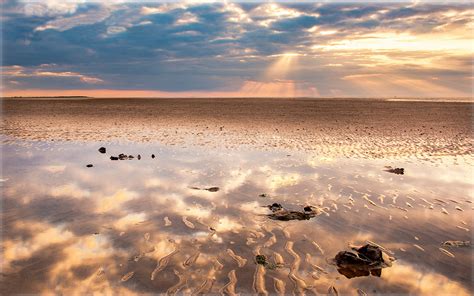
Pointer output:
371, 252
153, 156
139, 157
114, 158
261, 259
122, 156
285, 215
102, 150
275, 207
263, 195
131, 157
398, 171
210, 189
347, 258
364, 261
282, 214
89, 165
376, 272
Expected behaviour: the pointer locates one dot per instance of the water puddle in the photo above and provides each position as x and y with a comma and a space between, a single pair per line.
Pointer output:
200, 220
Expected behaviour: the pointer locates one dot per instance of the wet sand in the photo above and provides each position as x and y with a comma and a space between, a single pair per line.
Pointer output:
350, 128
149, 226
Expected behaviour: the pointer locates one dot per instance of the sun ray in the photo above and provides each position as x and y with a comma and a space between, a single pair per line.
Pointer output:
283, 66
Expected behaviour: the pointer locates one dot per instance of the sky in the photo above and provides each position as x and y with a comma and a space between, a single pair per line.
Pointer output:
237, 49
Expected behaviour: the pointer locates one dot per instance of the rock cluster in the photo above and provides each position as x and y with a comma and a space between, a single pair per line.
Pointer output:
364, 261
282, 214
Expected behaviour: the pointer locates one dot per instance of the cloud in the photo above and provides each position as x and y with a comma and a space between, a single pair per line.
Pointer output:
216, 47
115, 30
40, 72
66, 23
84, 78
161, 9
50, 8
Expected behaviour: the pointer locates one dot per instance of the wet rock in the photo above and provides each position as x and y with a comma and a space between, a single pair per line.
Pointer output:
122, 156
89, 165
371, 252
210, 189
153, 156
261, 259
290, 215
102, 150
459, 244
364, 261
398, 171
282, 214
275, 207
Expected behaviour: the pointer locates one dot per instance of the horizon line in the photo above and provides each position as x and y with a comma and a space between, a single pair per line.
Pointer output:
392, 98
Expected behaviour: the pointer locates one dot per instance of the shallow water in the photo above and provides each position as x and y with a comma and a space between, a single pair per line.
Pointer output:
138, 226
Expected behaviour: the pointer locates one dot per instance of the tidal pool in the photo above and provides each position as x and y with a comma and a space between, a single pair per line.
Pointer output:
143, 226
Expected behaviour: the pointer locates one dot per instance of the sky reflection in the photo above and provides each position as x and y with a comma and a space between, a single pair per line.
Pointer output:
112, 228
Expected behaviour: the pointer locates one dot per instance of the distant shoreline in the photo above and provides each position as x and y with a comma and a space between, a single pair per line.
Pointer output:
391, 99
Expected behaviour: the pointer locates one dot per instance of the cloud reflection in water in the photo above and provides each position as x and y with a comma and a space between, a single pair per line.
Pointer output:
71, 229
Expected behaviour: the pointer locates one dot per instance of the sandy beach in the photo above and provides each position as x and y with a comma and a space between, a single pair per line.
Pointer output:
349, 128
236, 196
237, 148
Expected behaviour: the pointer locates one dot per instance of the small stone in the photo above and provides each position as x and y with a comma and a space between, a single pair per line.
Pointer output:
102, 150
275, 207
153, 156
398, 171
453, 243
261, 259
114, 158
139, 157
89, 165
212, 189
